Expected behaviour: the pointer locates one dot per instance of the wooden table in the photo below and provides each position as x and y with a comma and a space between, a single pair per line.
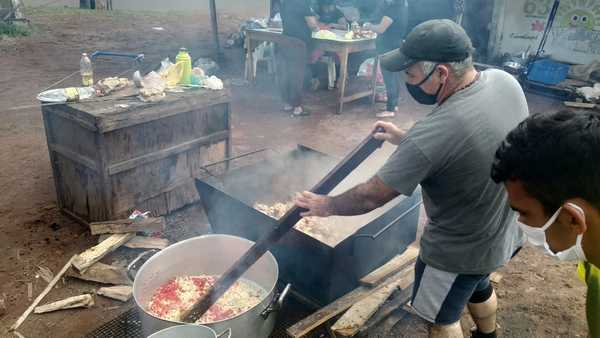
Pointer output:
343, 48
114, 156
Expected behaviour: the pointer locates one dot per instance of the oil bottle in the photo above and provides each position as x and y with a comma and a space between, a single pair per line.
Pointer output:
86, 70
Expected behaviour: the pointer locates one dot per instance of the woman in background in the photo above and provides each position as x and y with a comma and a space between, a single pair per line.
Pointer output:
390, 33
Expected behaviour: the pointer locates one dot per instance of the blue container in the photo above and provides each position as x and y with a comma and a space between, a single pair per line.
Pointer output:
548, 72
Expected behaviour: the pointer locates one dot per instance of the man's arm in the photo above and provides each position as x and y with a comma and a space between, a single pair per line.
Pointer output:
380, 28
312, 22
359, 200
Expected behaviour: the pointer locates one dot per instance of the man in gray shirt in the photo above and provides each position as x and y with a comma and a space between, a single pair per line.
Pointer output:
471, 230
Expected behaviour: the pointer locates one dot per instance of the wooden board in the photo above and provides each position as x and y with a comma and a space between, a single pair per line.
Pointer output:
142, 242
102, 273
582, 105
324, 314
42, 294
351, 322
118, 292
151, 224
68, 303
388, 308
392, 266
85, 259
337, 307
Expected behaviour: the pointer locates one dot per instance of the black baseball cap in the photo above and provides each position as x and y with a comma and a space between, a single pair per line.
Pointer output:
434, 40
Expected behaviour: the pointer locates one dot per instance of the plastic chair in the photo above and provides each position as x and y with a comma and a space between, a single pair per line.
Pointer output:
264, 52
331, 72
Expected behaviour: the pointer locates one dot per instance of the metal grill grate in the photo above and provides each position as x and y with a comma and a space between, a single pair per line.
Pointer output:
126, 325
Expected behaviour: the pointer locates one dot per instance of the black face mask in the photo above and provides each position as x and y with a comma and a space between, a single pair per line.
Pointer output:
420, 95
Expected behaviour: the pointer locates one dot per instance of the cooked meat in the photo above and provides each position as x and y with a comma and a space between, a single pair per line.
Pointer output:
322, 229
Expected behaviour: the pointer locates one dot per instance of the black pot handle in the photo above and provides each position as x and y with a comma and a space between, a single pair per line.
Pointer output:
276, 302
136, 263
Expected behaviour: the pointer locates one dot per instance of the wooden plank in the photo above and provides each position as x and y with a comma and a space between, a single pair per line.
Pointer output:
156, 205
579, 105
85, 161
102, 273
121, 226
357, 95
394, 265
174, 104
41, 296
328, 312
350, 323
164, 153
46, 115
118, 292
85, 300
387, 309
85, 259
67, 113
142, 242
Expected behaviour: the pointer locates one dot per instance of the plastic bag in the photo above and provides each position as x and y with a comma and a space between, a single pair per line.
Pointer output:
209, 66
62, 95
213, 83
153, 87
164, 66
366, 70
590, 93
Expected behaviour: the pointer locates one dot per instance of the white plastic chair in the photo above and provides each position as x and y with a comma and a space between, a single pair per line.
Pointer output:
331, 72
264, 52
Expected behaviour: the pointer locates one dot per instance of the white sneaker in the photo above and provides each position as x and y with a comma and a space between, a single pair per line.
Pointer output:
386, 113
298, 111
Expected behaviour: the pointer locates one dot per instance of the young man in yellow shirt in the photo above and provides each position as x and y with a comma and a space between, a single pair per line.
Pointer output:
550, 166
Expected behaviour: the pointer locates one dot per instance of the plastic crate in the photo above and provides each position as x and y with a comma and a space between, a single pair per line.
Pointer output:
548, 72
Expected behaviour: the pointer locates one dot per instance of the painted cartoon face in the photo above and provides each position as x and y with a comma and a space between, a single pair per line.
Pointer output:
579, 19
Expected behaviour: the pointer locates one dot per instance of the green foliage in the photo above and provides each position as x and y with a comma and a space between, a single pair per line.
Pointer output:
14, 30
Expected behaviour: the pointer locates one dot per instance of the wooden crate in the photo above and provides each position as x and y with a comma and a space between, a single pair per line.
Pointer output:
108, 158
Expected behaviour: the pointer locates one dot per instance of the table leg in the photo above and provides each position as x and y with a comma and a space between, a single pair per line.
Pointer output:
249, 69
374, 80
343, 78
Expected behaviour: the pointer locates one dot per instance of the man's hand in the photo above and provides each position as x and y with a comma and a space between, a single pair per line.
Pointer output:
317, 205
391, 133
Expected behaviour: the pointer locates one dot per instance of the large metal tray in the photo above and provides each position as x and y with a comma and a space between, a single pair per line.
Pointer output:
317, 271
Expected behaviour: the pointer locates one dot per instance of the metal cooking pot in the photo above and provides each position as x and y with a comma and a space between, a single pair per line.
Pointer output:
189, 330
209, 255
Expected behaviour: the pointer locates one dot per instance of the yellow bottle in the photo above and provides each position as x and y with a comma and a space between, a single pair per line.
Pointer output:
184, 57
86, 70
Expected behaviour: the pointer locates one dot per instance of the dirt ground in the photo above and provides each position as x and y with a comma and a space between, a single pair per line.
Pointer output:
538, 296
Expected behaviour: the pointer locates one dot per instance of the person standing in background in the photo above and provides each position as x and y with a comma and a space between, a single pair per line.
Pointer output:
330, 16
391, 30
423, 10
298, 21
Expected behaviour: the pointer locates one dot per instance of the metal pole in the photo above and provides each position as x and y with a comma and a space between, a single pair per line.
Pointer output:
215, 28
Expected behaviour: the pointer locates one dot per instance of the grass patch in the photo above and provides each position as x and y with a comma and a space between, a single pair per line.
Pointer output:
14, 30
33, 11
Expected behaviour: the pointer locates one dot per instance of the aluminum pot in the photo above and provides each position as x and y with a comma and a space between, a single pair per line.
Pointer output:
189, 330
209, 255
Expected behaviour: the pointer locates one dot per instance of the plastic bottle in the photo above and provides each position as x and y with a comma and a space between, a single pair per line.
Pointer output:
86, 70
184, 57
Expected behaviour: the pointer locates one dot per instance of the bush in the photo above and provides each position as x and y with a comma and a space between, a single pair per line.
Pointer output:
14, 30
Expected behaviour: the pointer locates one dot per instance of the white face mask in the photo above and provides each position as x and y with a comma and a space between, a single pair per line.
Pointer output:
537, 237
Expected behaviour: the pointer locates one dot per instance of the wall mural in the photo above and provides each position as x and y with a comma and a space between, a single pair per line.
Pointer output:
576, 27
